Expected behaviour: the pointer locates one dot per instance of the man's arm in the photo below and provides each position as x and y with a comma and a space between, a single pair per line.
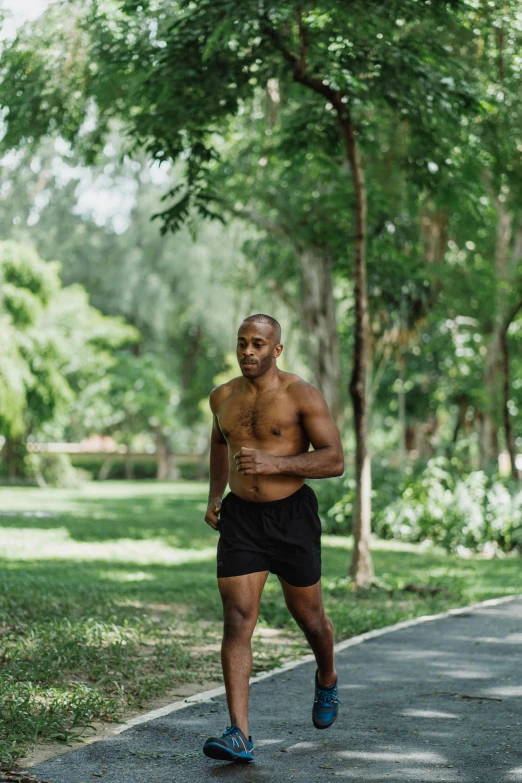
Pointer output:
325, 460
218, 468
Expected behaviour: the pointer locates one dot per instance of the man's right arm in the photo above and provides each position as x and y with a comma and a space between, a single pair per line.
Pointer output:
218, 468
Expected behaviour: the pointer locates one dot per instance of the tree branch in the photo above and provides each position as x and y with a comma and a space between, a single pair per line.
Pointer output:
299, 64
272, 33
303, 41
276, 229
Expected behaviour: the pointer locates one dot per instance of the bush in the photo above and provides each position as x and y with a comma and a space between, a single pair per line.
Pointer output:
329, 492
473, 511
336, 496
53, 470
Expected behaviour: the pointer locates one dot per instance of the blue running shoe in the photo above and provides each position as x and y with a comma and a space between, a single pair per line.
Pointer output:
326, 705
232, 746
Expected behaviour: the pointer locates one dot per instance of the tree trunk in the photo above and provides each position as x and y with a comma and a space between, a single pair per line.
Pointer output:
161, 455
167, 469
192, 356
361, 568
172, 468
489, 444
319, 327
402, 410
506, 382
460, 420
105, 468
13, 453
494, 379
508, 430
129, 467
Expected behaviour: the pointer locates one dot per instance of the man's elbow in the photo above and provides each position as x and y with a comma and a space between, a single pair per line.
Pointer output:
338, 466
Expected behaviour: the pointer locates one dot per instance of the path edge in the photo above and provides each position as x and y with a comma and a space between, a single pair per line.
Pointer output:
207, 696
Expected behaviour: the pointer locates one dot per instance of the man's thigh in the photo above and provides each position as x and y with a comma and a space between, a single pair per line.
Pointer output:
241, 595
303, 602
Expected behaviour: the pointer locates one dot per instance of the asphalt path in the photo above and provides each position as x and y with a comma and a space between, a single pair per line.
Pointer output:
440, 700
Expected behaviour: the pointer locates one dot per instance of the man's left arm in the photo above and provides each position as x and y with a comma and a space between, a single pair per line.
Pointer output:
325, 460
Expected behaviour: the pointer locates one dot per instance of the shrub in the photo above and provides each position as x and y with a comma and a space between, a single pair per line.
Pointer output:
472, 511
53, 470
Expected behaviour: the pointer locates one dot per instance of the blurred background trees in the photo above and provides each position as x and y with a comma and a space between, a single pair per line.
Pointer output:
354, 170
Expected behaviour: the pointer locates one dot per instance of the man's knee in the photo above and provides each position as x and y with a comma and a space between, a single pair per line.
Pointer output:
313, 623
239, 620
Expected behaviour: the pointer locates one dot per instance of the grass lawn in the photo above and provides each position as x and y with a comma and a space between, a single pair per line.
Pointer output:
108, 599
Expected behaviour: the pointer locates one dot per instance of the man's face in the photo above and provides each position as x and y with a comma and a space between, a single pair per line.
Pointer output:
256, 350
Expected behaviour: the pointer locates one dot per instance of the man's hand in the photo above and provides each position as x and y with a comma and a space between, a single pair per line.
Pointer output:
253, 462
212, 515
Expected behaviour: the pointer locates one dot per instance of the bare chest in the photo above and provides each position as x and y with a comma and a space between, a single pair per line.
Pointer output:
260, 420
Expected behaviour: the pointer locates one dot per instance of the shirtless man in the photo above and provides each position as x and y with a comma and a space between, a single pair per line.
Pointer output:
264, 423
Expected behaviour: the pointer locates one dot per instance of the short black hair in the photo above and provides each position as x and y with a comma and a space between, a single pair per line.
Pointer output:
266, 319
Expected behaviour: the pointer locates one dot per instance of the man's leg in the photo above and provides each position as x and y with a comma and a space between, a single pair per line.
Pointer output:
306, 607
241, 596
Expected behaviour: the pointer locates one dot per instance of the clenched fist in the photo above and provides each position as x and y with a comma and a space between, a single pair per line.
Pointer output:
253, 462
212, 515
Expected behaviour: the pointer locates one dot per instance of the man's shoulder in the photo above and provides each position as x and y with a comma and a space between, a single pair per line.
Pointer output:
221, 392
297, 385
301, 391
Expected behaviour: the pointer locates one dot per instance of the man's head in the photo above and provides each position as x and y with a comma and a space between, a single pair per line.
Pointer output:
258, 344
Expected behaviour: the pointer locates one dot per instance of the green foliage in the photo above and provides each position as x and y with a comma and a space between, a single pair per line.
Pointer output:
52, 470
433, 91
31, 388
176, 73
470, 511
55, 346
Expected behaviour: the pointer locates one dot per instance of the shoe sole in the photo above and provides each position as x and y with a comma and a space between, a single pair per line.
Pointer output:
215, 751
324, 725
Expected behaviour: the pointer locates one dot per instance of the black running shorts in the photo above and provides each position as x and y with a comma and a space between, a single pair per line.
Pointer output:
282, 536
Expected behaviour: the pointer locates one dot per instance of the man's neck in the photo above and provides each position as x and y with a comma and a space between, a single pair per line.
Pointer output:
264, 382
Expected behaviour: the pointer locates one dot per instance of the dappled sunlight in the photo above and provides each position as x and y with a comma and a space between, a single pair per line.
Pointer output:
402, 773
419, 654
429, 714
420, 757
466, 674
505, 691
137, 576
511, 638
100, 512
304, 746
34, 498
262, 742
37, 544
381, 545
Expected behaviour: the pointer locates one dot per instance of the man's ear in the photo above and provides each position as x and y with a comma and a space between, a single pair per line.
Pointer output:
278, 349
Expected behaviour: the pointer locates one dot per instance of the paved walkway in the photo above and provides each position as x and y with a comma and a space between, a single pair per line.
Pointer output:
441, 700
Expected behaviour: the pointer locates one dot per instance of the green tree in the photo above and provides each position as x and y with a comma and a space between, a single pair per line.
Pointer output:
54, 343
175, 72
